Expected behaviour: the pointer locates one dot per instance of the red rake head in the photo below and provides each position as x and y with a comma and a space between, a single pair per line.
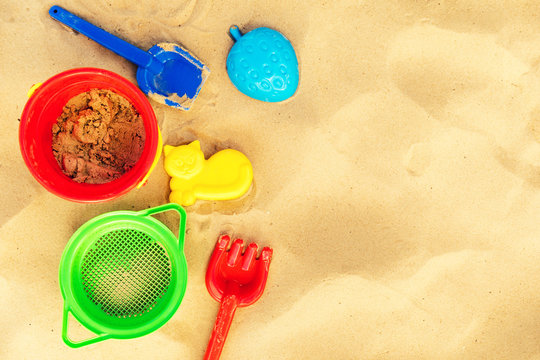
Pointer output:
233, 273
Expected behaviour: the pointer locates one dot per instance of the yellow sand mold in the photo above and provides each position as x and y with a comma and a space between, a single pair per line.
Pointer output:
226, 175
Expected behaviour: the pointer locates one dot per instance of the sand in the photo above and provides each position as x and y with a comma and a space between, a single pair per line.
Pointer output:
98, 137
399, 188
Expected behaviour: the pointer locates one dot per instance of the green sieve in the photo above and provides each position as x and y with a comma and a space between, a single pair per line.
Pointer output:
123, 274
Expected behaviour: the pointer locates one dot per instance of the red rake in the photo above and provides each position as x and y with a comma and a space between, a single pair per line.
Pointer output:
235, 280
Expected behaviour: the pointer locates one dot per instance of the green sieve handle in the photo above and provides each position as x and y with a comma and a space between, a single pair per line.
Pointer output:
168, 207
76, 344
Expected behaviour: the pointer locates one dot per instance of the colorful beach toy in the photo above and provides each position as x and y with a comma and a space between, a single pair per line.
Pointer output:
262, 64
226, 175
46, 102
167, 73
123, 274
235, 279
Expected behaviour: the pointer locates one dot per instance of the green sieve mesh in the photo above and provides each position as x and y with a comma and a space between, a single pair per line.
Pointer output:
125, 273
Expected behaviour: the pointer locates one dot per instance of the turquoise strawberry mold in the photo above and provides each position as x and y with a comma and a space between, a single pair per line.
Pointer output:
263, 65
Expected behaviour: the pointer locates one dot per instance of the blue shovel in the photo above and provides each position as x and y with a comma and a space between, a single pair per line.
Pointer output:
167, 73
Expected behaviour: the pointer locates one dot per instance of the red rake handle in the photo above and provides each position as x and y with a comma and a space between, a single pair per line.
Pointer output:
224, 318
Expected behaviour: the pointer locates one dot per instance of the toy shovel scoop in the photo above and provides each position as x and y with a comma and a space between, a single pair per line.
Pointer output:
167, 73
234, 279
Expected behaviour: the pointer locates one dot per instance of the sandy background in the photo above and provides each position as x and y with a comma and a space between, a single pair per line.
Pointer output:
399, 188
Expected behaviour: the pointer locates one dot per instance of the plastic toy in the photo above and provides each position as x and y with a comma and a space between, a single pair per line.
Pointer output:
123, 274
225, 175
40, 113
263, 65
235, 280
167, 73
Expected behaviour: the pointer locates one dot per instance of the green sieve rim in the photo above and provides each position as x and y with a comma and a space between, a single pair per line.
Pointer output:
78, 303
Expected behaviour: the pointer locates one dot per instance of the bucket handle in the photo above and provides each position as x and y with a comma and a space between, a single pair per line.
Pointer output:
168, 207
76, 344
154, 163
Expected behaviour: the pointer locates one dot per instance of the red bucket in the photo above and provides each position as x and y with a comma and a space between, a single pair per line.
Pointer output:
43, 108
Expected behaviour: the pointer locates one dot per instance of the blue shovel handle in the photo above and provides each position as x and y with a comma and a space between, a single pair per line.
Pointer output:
111, 42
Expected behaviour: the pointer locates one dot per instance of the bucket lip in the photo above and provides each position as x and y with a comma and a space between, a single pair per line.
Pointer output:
151, 138
174, 251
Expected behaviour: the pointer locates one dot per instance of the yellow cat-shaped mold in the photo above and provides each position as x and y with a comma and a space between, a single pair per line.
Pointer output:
225, 175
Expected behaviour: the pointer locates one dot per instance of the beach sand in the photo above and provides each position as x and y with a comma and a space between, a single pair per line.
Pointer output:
399, 187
